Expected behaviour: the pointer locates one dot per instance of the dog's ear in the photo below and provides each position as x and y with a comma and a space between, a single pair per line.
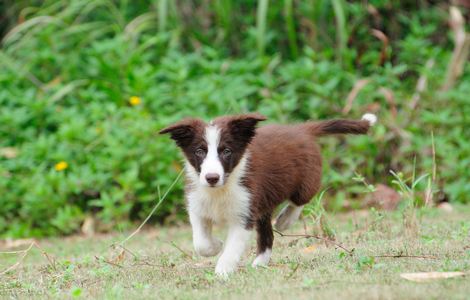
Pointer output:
183, 131
244, 126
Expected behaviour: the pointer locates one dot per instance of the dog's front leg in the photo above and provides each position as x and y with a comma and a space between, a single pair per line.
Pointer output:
204, 243
235, 245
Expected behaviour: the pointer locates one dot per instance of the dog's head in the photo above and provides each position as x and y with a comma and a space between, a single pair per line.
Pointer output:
214, 149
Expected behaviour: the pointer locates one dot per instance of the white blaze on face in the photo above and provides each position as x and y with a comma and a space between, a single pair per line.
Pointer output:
211, 163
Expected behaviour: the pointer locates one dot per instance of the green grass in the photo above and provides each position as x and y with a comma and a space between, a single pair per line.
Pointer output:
69, 70
157, 269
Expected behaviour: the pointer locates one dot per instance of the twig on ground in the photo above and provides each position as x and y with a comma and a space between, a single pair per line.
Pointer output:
15, 265
49, 259
108, 262
145, 263
315, 237
405, 256
25, 253
127, 250
181, 250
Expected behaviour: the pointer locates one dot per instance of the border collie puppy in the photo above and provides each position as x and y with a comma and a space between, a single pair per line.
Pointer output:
238, 174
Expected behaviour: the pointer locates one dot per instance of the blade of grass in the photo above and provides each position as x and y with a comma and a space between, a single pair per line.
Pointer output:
341, 34
291, 32
162, 15
261, 19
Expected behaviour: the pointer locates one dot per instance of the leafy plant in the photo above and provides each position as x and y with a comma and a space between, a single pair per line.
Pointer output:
86, 85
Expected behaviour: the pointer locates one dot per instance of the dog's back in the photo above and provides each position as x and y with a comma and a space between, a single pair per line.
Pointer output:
285, 163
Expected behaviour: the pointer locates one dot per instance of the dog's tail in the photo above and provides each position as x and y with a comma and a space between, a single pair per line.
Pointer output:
341, 126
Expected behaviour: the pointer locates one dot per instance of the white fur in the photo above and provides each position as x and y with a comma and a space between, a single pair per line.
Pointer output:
370, 117
204, 243
235, 245
229, 203
211, 163
263, 258
288, 216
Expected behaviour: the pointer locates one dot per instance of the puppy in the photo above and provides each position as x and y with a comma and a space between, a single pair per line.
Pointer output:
238, 174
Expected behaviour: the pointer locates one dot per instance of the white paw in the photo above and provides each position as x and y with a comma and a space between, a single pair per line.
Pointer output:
225, 267
262, 259
208, 248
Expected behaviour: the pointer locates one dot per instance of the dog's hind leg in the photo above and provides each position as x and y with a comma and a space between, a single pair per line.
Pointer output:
265, 241
292, 211
288, 216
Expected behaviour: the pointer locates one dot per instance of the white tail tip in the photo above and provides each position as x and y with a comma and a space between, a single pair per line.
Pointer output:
371, 118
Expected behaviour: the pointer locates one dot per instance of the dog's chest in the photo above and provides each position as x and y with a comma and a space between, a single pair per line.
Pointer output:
230, 203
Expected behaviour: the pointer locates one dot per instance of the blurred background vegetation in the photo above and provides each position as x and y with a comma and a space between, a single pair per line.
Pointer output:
86, 85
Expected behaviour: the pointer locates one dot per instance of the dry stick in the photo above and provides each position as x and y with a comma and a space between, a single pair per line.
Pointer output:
128, 251
181, 250
385, 41
358, 86
49, 259
153, 210
406, 256
108, 262
145, 263
461, 48
121, 244
12, 252
25, 252
316, 237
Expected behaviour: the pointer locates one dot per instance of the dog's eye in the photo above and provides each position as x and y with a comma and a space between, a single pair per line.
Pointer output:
200, 152
227, 152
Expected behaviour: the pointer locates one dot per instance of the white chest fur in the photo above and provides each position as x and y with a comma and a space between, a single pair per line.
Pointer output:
228, 203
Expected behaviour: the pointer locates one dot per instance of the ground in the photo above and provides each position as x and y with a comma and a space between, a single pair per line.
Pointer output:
159, 263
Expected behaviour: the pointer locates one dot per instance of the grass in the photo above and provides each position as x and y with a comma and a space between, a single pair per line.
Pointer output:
159, 263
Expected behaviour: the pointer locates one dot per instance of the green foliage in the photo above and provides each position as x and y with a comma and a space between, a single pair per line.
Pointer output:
90, 83
365, 262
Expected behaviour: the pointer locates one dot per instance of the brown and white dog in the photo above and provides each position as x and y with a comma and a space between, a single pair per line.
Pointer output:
238, 174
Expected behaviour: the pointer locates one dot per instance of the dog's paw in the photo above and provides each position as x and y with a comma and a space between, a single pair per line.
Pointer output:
225, 267
262, 259
211, 248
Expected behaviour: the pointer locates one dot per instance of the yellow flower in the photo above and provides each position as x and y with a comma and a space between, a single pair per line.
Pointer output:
134, 100
60, 166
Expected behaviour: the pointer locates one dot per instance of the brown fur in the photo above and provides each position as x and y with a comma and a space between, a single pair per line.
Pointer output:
284, 160
285, 163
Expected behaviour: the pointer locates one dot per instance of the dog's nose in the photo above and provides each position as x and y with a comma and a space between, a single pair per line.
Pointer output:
212, 178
